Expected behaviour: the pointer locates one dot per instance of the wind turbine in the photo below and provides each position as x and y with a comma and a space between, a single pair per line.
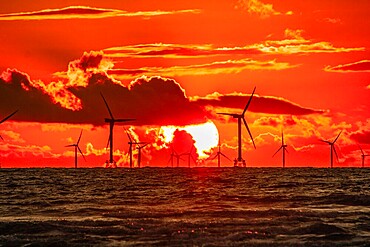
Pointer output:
240, 117
332, 148
282, 147
218, 155
363, 155
189, 154
111, 122
131, 143
77, 148
173, 155
140, 146
6, 118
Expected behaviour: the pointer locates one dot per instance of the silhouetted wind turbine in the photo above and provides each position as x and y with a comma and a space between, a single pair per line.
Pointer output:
332, 148
6, 118
130, 147
111, 122
140, 146
131, 143
190, 155
77, 148
218, 155
240, 117
173, 155
363, 155
282, 147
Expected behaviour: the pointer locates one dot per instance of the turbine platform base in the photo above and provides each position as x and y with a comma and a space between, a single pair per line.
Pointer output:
239, 163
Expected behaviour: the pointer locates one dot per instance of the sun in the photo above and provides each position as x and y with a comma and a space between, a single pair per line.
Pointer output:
205, 136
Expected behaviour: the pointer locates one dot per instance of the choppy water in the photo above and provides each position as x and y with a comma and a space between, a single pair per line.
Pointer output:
185, 207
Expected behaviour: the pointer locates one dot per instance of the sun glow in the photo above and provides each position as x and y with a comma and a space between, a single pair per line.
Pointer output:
205, 136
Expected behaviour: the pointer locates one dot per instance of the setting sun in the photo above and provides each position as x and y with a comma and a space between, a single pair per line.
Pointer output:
205, 136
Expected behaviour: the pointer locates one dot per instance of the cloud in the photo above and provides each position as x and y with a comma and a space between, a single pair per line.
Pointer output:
176, 51
260, 104
273, 121
219, 67
259, 8
361, 136
154, 100
85, 12
293, 43
360, 66
8, 149
13, 136
150, 100
332, 20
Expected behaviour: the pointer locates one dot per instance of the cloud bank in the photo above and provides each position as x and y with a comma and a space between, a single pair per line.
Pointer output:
150, 100
85, 12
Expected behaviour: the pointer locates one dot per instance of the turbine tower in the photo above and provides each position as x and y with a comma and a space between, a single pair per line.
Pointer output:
332, 148
363, 155
77, 148
283, 148
6, 118
111, 122
189, 154
240, 117
218, 155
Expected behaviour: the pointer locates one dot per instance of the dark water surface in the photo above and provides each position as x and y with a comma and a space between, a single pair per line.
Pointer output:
185, 207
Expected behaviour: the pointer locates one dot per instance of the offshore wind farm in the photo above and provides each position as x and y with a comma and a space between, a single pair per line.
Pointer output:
184, 123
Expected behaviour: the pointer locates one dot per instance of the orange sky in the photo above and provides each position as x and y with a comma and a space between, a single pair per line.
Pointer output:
175, 64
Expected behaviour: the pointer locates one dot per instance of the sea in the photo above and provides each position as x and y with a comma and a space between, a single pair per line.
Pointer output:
185, 207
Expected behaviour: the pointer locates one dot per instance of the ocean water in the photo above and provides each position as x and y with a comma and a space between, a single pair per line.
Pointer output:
185, 207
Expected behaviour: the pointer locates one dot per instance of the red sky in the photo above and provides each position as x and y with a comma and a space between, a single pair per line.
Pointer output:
174, 65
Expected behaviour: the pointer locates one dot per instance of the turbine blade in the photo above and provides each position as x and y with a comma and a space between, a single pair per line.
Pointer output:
362, 151
225, 156
79, 138
286, 150
282, 138
335, 152
214, 157
128, 135
9, 116
1, 138
72, 145
250, 134
249, 101
121, 120
277, 151
228, 114
337, 137
328, 142
146, 144
81, 152
108, 141
106, 104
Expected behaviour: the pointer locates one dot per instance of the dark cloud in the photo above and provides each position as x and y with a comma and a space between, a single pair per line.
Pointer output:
183, 143
360, 66
151, 101
79, 12
259, 104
